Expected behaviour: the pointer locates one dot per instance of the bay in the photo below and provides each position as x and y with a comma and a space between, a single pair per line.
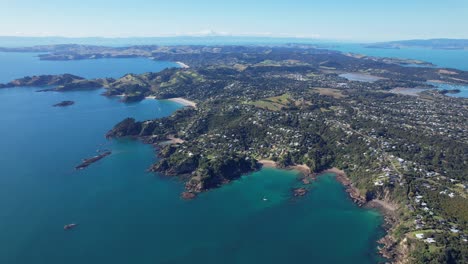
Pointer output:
128, 215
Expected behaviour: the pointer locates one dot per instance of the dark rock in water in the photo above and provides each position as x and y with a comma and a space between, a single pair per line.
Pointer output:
188, 195
299, 192
87, 162
64, 103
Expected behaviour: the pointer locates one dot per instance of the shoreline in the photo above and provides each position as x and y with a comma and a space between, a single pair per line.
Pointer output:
352, 191
268, 163
183, 102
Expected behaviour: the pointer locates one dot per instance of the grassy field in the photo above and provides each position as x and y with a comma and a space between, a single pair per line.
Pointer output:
335, 93
275, 103
183, 77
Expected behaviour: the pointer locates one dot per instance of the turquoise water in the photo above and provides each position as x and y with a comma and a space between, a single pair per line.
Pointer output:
127, 215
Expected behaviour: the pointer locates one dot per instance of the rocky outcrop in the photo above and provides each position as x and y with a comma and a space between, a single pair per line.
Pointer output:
188, 195
352, 191
127, 127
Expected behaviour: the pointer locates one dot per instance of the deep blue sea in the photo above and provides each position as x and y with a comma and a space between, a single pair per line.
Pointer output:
127, 215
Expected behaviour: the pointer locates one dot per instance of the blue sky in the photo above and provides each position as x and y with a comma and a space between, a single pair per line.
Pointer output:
358, 20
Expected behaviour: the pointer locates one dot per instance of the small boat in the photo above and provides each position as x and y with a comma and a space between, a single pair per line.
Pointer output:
69, 226
265, 199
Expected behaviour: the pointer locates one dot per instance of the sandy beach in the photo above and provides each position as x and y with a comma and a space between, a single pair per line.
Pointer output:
304, 169
182, 65
268, 163
184, 102
174, 140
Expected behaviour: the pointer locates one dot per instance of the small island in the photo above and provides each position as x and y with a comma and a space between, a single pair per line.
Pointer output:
451, 91
89, 161
64, 104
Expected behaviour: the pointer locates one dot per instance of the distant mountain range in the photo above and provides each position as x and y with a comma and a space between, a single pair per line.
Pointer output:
447, 44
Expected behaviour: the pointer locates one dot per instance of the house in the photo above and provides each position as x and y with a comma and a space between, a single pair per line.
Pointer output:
378, 183
430, 240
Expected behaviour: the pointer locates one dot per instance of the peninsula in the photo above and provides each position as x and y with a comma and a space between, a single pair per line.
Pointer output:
291, 105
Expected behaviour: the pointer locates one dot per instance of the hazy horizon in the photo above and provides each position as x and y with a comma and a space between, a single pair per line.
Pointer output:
338, 20
27, 41
231, 36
